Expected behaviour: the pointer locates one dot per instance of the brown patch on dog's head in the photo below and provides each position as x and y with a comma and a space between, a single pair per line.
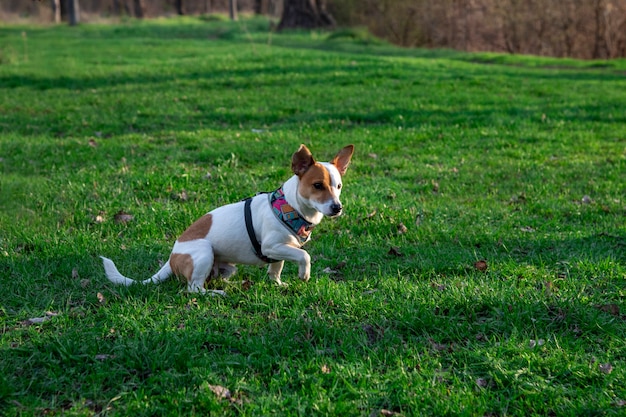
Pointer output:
198, 229
182, 265
315, 184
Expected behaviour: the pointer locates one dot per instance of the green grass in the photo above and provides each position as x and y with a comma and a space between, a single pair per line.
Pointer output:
517, 161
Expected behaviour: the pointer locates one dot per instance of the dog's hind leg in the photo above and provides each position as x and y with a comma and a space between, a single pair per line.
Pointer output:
195, 266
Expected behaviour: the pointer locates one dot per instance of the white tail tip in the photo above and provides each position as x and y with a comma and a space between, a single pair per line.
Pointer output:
113, 274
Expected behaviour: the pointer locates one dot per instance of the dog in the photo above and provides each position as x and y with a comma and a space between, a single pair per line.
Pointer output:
269, 228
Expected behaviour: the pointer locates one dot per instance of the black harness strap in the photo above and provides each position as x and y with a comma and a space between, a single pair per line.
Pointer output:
247, 213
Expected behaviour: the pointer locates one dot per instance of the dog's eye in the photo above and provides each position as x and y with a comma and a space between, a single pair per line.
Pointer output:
339, 186
318, 186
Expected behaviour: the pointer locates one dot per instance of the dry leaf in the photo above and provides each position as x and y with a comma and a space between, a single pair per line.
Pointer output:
605, 368
340, 265
482, 382
220, 391
370, 215
402, 229
612, 309
84, 283
36, 320
328, 270
99, 218
527, 229
393, 251
325, 369
74, 273
123, 217
101, 298
246, 284
481, 265
103, 356
93, 143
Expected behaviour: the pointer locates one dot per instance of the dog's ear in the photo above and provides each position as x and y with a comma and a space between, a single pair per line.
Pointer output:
301, 161
342, 160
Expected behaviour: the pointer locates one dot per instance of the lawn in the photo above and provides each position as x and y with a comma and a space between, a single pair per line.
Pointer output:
479, 268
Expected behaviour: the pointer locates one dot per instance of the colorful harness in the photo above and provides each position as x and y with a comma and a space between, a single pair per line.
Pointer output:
286, 214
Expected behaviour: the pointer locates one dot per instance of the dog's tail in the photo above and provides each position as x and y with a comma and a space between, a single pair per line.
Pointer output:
115, 277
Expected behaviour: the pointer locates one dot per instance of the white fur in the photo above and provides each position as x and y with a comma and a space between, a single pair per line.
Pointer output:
227, 242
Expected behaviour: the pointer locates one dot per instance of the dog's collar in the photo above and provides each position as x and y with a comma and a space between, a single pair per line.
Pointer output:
289, 217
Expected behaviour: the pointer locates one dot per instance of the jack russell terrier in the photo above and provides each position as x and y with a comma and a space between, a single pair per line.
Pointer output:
269, 228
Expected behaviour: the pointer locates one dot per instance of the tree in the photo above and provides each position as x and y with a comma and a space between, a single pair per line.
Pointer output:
307, 14
56, 10
140, 9
232, 9
179, 7
73, 11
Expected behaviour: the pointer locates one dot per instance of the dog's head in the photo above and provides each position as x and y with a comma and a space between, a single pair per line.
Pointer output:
320, 182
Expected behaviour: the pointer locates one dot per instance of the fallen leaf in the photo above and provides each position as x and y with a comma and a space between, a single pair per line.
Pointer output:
36, 320
74, 273
328, 270
373, 334
84, 283
340, 265
402, 229
527, 229
93, 143
123, 217
393, 251
220, 391
612, 309
586, 199
533, 343
246, 284
438, 346
605, 368
482, 382
370, 215
439, 287
372, 155
99, 218
435, 187
481, 265
101, 298
103, 356
325, 369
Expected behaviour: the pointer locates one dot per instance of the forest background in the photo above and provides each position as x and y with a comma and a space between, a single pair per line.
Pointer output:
585, 29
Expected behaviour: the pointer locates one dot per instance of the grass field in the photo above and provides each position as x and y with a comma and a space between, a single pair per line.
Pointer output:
479, 268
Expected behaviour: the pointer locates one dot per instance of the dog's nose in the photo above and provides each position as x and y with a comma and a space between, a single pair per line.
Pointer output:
336, 208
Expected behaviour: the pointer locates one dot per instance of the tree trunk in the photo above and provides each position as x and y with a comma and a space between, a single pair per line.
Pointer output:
140, 10
73, 12
56, 10
305, 14
179, 7
232, 9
